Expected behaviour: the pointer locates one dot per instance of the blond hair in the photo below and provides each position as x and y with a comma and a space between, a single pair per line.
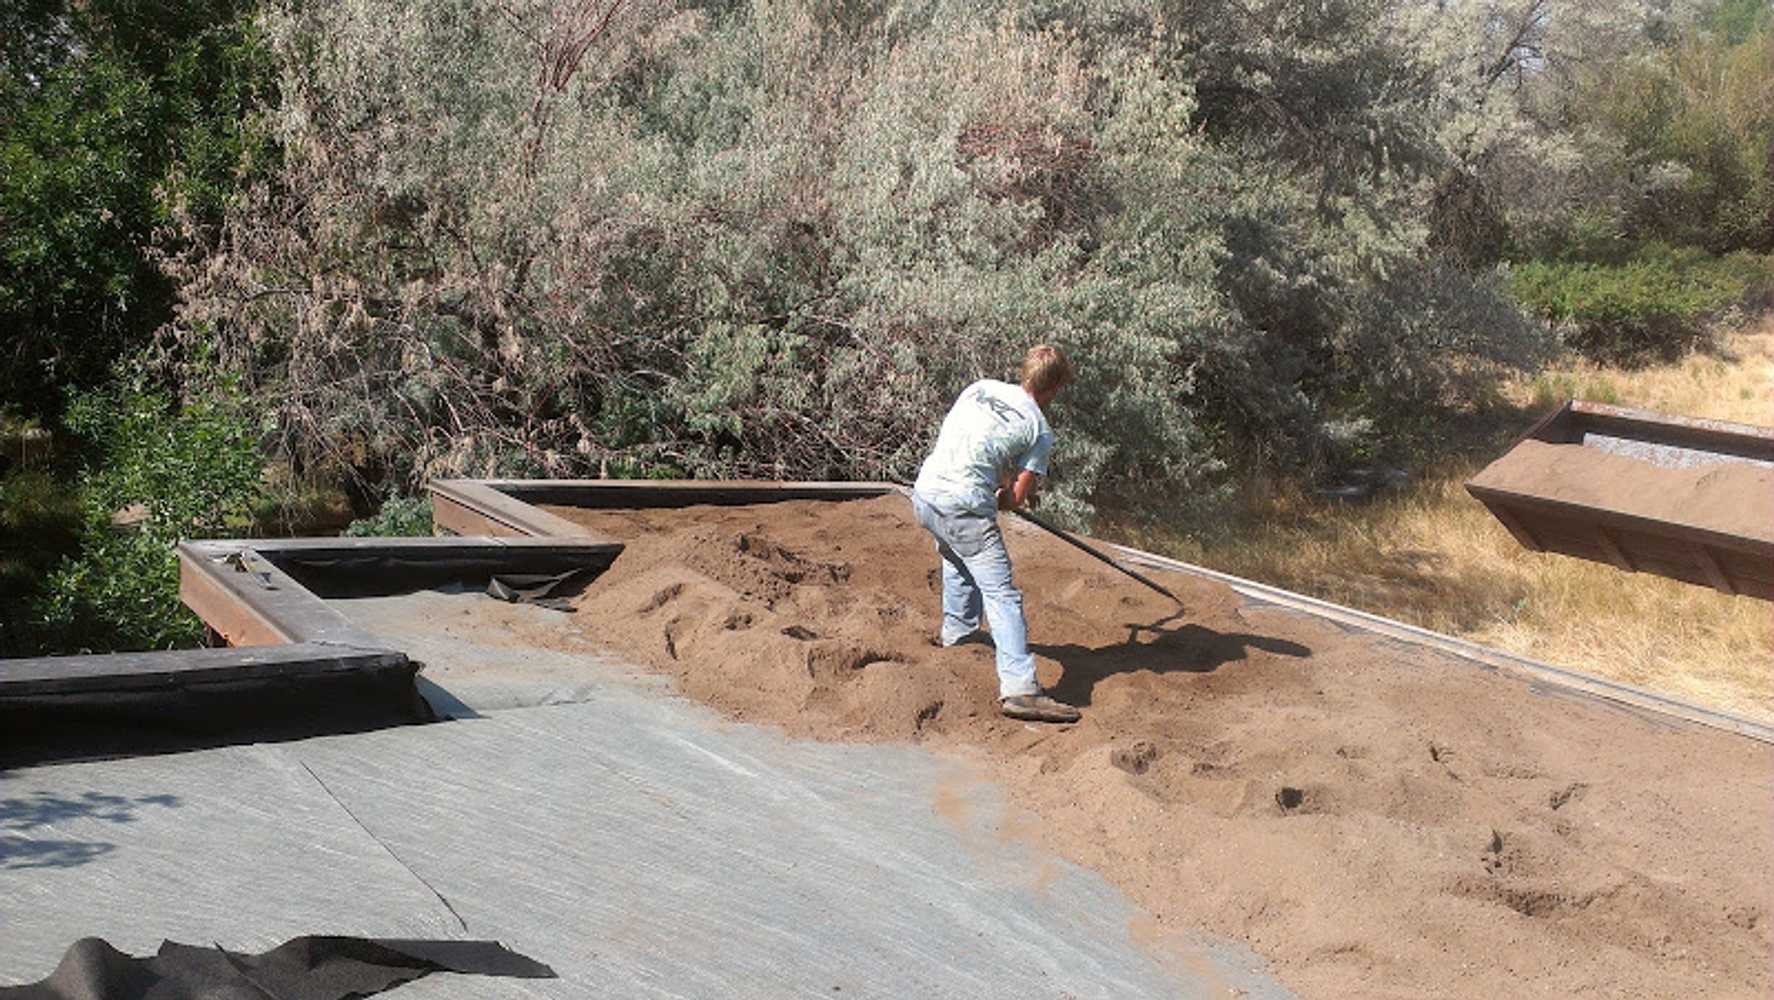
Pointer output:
1045, 369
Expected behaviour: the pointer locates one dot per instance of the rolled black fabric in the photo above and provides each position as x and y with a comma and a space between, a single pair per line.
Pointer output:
304, 968
541, 589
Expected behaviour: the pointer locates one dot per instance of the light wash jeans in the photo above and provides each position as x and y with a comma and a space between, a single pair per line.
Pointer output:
976, 578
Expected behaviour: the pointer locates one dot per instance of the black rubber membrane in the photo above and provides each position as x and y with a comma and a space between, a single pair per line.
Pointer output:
45, 728
304, 968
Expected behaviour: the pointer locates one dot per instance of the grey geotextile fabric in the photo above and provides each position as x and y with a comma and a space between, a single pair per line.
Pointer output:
579, 812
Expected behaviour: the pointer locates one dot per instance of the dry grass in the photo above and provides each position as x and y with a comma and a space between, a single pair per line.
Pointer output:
1736, 384
1434, 557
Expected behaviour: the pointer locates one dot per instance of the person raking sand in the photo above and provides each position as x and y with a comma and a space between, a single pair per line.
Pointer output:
990, 455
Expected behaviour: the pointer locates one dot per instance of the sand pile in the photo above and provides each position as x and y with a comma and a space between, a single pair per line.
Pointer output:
1736, 498
1375, 819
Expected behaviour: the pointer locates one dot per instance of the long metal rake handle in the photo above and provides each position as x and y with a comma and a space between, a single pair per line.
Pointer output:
1067, 537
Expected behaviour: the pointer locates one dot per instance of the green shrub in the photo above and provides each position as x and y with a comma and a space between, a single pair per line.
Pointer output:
176, 468
1656, 305
773, 240
113, 115
1672, 141
399, 517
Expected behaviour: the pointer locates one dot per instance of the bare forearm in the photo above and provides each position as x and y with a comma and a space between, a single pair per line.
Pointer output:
1024, 489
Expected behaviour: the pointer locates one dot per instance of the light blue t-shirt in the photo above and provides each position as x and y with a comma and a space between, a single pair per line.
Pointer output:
993, 430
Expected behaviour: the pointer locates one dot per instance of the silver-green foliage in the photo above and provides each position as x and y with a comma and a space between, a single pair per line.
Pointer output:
774, 238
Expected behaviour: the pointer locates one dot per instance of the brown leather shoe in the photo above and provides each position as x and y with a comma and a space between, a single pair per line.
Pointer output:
1037, 708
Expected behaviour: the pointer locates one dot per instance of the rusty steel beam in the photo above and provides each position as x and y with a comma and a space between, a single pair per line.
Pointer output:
479, 508
680, 492
237, 622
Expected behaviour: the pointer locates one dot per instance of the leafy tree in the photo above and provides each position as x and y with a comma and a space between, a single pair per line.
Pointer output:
111, 113
1660, 135
773, 239
162, 469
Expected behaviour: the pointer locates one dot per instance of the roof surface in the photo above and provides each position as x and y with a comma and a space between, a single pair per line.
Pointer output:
584, 815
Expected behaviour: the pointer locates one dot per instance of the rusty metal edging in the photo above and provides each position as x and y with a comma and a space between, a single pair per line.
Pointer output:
246, 598
783, 488
241, 591
1721, 436
506, 507
1530, 669
1733, 564
211, 597
275, 626
680, 492
1612, 518
474, 507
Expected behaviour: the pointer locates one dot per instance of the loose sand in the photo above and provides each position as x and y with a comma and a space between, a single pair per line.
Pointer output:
1736, 498
1378, 820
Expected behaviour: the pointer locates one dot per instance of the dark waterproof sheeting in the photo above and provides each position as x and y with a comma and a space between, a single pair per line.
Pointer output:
305, 968
192, 714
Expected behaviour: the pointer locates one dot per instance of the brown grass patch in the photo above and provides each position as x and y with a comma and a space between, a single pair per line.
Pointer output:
1432, 556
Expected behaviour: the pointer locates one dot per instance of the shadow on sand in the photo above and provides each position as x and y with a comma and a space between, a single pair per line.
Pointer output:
1158, 648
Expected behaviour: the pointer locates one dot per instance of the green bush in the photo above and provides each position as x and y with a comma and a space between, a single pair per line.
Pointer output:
175, 468
1656, 305
773, 240
114, 116
399, 517
1671, 142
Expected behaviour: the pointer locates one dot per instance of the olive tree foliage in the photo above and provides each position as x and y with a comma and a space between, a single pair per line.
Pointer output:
1696, 131
610, 237
1561, 116
1503, 71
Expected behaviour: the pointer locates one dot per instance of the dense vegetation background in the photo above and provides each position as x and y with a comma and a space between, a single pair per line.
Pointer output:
250, 253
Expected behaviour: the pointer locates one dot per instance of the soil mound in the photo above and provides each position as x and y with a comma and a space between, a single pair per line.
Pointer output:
1376, 819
